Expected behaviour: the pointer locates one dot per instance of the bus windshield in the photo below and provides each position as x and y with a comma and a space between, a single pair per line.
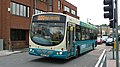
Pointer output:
47, 33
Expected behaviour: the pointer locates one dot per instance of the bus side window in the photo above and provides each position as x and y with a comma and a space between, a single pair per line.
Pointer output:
78, 33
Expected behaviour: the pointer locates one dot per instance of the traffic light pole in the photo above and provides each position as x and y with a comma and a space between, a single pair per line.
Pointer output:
113, 40
113, 29
117, 45
108, 7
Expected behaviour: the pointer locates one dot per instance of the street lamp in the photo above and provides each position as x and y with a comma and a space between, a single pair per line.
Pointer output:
88, 20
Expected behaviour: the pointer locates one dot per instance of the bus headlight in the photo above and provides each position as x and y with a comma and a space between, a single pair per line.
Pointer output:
59, 53
31, 50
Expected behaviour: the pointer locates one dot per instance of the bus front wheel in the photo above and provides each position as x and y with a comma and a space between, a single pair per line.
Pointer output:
77, 52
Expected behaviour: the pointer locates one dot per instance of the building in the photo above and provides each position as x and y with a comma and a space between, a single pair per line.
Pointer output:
15, 18
104, 30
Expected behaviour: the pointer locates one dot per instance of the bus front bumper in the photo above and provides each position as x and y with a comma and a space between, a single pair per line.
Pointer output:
48, 53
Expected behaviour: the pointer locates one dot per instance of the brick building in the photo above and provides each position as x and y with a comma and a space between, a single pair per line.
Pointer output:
15, 18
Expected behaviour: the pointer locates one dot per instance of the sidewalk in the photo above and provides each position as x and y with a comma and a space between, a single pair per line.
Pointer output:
110, 61
7, 52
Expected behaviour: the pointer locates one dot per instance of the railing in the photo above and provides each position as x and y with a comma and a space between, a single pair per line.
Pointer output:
102, 60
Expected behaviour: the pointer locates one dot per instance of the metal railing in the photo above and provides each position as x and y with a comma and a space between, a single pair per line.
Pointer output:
102, 60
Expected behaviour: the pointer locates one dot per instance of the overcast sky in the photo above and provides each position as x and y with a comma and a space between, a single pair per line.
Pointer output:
91, 9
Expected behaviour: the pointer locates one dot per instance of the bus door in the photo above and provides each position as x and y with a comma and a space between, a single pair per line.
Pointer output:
70, 40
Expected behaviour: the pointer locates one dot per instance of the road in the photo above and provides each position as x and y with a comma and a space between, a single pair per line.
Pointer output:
88, 59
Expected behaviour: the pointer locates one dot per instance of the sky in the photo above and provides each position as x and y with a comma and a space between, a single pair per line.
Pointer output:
91, 10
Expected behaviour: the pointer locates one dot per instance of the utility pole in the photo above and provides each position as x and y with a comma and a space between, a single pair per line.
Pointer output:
116, 24
113, 40
113, 29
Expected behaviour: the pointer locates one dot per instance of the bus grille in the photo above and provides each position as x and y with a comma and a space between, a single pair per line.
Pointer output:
45, 52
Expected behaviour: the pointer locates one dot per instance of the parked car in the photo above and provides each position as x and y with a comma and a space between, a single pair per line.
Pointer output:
104, 38
109, 41
99, 40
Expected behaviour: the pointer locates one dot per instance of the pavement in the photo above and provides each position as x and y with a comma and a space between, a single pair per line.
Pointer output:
110, 61
8, 52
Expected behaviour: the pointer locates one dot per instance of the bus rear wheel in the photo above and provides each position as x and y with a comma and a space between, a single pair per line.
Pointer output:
93, 47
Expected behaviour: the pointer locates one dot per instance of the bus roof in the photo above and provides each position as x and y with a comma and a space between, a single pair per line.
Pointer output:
83, 24
50, 13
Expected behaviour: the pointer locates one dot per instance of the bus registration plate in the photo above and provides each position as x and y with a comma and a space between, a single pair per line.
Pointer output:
44, 55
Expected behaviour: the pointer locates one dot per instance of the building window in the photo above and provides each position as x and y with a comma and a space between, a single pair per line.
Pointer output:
39, 11
50, 8
19, 9
50, 2
58, 4
50, 5
28, 12
24, 11
66, 9
13, 8
73, 12
18, 35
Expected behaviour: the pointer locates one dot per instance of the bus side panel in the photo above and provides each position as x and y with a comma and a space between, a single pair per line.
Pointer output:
85, 45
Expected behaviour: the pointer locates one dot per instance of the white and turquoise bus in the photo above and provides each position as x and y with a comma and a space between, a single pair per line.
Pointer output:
57, 35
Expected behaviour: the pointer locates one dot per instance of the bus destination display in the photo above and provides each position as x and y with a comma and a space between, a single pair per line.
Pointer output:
48, 17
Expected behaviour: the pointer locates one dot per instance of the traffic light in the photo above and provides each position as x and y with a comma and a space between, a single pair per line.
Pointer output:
112, 24
108, 9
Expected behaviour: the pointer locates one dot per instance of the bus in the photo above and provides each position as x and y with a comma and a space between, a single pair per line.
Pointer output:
58, 35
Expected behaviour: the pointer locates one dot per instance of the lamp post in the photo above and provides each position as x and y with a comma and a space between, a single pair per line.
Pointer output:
88, 20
